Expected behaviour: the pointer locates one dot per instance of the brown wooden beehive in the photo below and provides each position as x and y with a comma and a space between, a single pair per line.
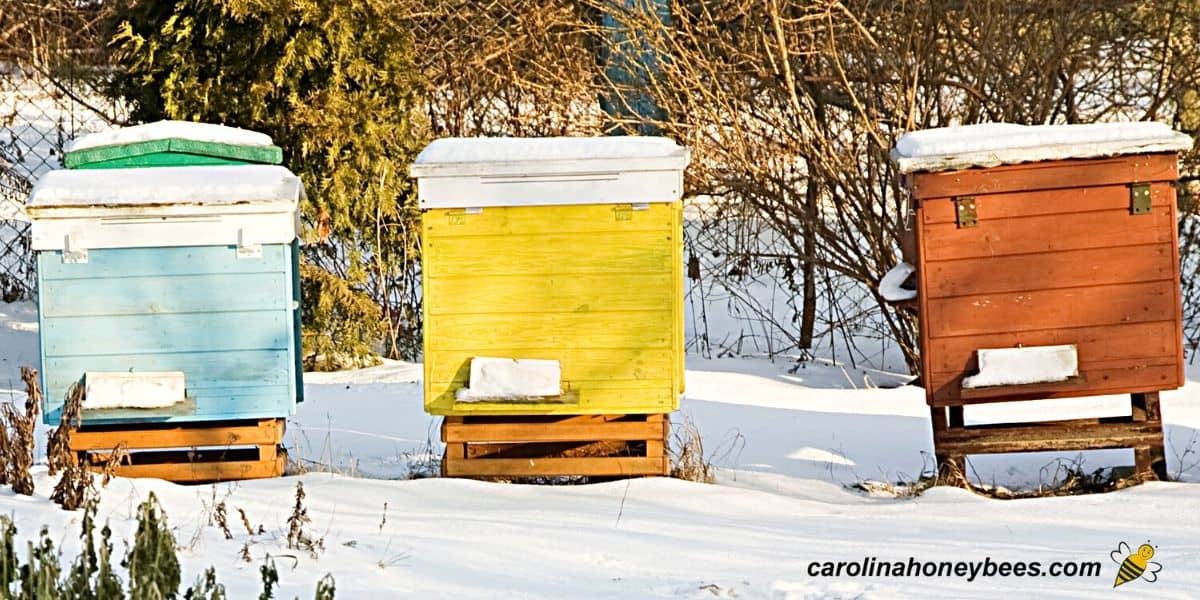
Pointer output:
1070, 243
1080, 252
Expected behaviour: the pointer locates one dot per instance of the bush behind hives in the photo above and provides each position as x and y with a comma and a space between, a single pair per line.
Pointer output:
335, 85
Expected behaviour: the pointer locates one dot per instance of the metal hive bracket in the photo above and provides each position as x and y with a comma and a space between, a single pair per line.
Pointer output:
964, 211
1139, 199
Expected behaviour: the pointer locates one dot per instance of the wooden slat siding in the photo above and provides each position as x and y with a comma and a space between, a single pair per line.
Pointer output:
1066, 202
1046, 175
1053, 270
1048, 437
606, 252
1145, 375
154, 262
554, 467
1180, 376
1056, 258
597, 287
552, 294
168, 309
596, 397
601, 330
209, 471
499, 222
267, 431
954, 355
519, 432
1047, 233
258, 367
625, 364
165, 295
1046, 309
124, 335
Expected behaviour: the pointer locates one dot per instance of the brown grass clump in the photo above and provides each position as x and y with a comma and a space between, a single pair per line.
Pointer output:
688, 461
297, 538
112, 460
18, 451
75, 485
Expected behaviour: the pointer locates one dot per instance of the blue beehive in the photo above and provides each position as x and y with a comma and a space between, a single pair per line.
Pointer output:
170, 292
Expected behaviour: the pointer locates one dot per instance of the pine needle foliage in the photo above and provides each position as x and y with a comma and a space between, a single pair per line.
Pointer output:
325, 588
9, 563
39, 576
152, 560
335, 85
206, 587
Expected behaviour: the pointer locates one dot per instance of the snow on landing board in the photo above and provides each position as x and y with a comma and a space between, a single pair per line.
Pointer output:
133, 390
991, 144
511, 379
159, 130
1019, 366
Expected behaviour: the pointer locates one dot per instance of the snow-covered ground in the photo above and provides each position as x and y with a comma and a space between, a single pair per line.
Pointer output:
788, 441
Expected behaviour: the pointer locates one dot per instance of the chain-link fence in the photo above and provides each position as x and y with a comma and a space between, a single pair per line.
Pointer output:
39, 115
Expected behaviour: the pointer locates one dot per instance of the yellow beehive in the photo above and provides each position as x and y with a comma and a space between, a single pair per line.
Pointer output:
565, 249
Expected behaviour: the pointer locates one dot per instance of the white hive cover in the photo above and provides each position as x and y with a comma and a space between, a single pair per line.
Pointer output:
991, 144
242, 205
480, 172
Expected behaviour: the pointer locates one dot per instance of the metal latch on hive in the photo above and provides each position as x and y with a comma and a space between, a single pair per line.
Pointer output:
1139, 199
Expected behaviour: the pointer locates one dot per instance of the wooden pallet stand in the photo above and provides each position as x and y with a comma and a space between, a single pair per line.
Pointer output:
552, 446
188, 452
1142, 431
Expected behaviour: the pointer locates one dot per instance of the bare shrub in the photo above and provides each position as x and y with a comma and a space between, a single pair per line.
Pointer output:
298, 538
75, 485
18, 458
689, 459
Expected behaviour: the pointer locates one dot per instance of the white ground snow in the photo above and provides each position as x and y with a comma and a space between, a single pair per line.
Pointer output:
787, 441
160, 130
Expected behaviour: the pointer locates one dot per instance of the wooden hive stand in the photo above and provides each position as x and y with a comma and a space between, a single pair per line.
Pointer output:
1142, 431
553, 446
187, 452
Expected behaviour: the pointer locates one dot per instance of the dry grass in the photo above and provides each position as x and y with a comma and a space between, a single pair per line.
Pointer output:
1060, 477
75, 486
689, 459
297, 537
18, 451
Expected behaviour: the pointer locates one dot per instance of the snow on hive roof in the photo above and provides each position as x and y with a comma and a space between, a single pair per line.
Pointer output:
506, 149
991, 144
159, 130
166, 185
504, 155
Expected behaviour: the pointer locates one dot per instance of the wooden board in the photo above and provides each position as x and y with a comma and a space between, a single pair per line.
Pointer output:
1046, 175
188, 453
266, 431
541, 446
1063, 308
1142, 431
956, 355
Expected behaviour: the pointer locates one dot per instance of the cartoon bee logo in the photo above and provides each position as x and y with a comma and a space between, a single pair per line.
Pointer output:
1134, 564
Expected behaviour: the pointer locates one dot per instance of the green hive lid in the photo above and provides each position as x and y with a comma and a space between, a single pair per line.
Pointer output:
171, 143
